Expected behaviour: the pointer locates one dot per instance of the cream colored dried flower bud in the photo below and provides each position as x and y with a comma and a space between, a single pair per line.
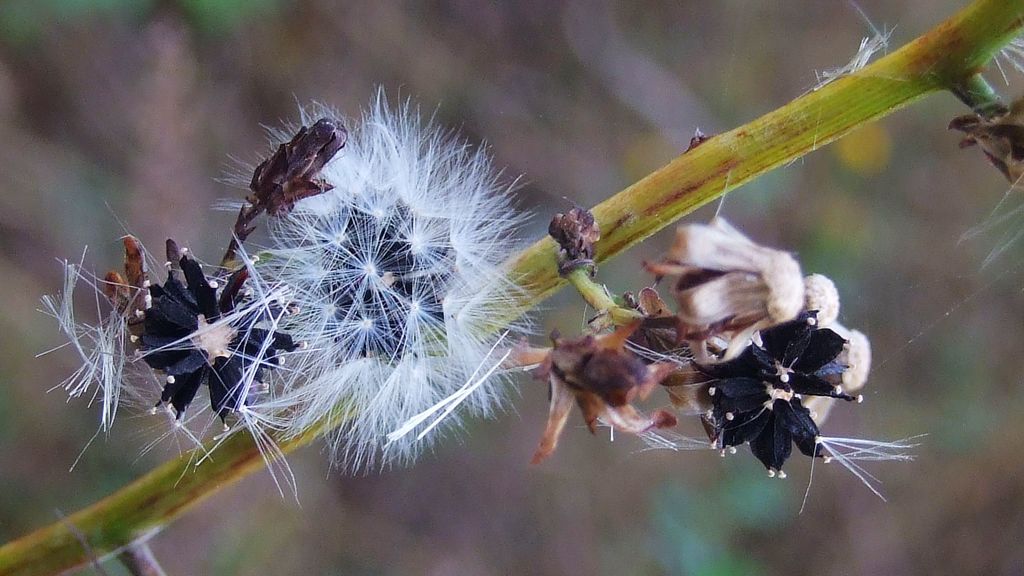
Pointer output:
820, 294
857, 357
728, 286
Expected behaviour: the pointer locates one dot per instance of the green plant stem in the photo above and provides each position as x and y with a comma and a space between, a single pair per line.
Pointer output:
598, 297
138, 510
977, 93
947, 57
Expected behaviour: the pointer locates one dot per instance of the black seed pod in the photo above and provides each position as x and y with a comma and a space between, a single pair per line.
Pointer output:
199, 340
756, 397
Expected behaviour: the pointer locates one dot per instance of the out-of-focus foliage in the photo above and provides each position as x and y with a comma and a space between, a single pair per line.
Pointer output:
26, 21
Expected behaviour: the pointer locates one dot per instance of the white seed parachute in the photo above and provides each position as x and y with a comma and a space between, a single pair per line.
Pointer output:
396, 277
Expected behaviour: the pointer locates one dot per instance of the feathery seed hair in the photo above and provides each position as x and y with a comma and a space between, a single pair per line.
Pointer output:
395, 273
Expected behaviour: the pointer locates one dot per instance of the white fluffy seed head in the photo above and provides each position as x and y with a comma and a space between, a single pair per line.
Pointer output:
397, 276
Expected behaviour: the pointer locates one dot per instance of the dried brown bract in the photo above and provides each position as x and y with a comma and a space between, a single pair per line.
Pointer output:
575, 232
603, 378
1001, 138
129, 293
292, 173
657, 334
726, 286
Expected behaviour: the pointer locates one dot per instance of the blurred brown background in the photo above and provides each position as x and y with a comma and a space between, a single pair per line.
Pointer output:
124, 110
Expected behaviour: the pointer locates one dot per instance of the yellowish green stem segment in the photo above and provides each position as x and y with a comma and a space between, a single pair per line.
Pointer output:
948, 57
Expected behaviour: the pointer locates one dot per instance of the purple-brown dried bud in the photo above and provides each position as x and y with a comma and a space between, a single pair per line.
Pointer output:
604, 379
292, 173
575, 232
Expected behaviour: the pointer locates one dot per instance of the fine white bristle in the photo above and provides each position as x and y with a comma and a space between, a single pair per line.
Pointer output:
849, 452
100, 347
868, 48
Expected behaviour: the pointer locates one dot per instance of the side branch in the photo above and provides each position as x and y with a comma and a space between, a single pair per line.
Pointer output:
948, 57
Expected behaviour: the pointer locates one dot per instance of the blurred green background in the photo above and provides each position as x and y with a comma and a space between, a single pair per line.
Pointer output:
120, 110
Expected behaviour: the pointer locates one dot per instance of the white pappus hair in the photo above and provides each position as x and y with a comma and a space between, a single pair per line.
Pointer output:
100, 346
396, 279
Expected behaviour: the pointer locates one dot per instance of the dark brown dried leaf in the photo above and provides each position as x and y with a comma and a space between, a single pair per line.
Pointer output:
604, 378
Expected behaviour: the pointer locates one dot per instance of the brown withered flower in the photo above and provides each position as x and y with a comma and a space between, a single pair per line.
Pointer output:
656, 336
728, 287
1000, 137
575, 232
129, 293
291, 174
603, 378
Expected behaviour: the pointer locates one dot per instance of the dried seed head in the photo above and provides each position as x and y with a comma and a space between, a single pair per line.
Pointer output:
198, 339
726, 285
820, 294
1001, 138
856, 356
575, 232
397, 274
759, 397
604, 378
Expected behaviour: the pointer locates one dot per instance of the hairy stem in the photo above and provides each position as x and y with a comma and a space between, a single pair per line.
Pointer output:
948, 57
138, 510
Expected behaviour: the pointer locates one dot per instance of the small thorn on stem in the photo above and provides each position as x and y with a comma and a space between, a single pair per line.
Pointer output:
139, 560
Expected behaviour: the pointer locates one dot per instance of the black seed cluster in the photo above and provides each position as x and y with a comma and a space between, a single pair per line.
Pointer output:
174, 318
757, 396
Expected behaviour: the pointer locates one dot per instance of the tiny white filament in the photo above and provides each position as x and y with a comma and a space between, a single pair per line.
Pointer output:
450, 403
